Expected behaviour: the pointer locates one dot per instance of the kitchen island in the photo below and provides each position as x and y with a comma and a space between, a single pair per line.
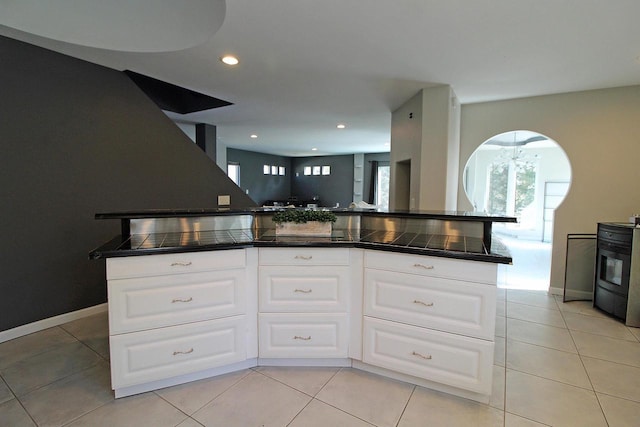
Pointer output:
197, 293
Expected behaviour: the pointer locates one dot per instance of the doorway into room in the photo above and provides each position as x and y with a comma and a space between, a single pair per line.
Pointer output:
527, 175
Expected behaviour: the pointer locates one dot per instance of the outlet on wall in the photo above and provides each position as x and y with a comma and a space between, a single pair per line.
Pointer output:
224, 200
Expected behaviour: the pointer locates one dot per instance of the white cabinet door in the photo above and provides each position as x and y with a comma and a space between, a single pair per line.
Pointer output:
472, 271
437, 303
141, 357
153, 302
303, 289
450, 359
303, 335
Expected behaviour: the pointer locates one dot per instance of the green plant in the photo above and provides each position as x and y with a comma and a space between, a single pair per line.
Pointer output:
302, 216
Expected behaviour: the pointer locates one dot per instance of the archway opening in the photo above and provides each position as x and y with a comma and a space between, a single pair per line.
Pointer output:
524, 174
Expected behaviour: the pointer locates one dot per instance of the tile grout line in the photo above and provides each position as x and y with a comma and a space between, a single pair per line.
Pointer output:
413, 390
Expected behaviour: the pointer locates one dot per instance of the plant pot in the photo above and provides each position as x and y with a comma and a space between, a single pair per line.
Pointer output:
309, 228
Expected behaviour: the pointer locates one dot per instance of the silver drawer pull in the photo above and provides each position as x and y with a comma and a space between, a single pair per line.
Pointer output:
181, 300
304, 291
422, 356
176, 353
181, 264
306, 258
426, 267
302, 338
426, 304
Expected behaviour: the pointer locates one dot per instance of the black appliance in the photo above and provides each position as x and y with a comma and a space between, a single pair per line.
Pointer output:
617, 281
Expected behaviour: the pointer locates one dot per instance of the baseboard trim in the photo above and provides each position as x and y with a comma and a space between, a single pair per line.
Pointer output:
50, 322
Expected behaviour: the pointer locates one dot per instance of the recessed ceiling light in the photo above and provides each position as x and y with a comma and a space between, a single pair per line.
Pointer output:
341, 126
314, 149
229, 60
254, 136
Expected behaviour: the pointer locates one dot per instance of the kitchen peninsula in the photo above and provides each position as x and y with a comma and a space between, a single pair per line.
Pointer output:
197, 293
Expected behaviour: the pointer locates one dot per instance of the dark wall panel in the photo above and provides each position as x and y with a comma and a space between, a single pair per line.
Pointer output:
330, 189
77, 139
261, 187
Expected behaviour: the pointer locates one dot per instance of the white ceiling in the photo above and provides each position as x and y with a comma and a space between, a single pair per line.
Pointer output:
307, 65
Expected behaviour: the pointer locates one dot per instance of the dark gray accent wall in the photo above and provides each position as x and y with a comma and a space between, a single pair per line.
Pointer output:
330, 189
262, 188
77, 139
206, 139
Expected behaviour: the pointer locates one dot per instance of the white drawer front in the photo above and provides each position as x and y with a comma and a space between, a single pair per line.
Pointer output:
473, 271
153, 302
303, 289
141, 357
304, 256
449, 359
303, 335
448, 305
161, 264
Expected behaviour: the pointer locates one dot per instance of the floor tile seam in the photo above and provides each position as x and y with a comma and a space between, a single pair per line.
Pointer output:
531, 305
543, 346
635, 339
284, 384
629, 328
299, 412
404, 409
617, 397
538, 322
25, 410
207, 403
526, 418
96, 352
550, 379
45, 350
342, 410
56, 381
547, 378
609, 361
605, 336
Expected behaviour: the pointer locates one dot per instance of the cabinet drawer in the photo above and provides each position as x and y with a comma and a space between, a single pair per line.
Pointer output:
303, 335
449, 359
303, 289
142, 357
473, 271
448, 305
153, 302
304, 256
162, 264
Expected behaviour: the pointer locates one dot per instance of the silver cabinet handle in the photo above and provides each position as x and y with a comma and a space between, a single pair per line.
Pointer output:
181, 300
181, 264
426, 304
176, 353
422, 356
304, 257
426, 267
304, 291
302, 338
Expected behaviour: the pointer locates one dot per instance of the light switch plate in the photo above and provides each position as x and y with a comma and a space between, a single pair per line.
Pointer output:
224, 200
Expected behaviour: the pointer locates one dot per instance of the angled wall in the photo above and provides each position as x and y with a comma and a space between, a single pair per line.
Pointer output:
77, 139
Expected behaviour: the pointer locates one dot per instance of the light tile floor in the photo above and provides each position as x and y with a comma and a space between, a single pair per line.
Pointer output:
556, 364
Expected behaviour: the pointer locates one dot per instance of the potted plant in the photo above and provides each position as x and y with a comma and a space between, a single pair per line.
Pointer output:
304, 222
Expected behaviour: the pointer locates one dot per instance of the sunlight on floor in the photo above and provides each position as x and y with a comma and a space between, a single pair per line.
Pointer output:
531, 264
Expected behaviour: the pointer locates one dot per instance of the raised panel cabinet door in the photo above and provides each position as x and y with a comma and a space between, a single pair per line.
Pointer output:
472, 271
303, 335
304, 256
142, 357
450, 359
153, 302
433, 302
303, 289
179, 263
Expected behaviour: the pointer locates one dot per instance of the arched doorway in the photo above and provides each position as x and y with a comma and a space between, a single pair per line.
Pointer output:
524, 174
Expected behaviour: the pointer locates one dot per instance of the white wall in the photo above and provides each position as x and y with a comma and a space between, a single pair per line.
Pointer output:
600, 133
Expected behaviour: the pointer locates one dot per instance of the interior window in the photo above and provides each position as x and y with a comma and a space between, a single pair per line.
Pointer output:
233, 171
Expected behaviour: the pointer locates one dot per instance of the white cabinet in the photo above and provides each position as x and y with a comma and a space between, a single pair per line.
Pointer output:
303, 303
175, 314
425, 318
